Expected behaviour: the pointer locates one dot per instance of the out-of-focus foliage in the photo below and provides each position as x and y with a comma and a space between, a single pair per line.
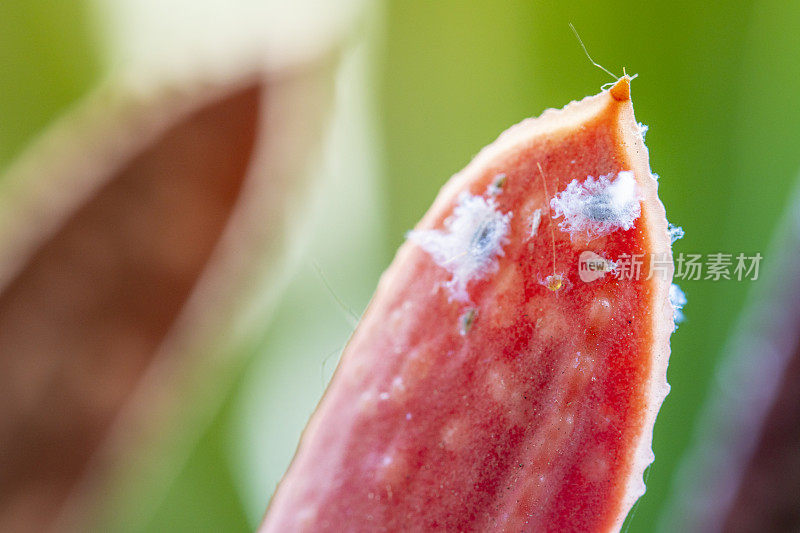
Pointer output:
718, 85
204, 497
48, 59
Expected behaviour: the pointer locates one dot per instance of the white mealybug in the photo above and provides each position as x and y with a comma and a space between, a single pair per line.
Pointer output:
675, 232
598, 206
468, 247
678, 299
643, 129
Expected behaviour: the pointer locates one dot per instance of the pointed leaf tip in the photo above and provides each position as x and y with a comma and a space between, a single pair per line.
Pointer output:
621, 90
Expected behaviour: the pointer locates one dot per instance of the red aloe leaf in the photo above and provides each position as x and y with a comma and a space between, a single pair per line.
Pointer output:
488, 386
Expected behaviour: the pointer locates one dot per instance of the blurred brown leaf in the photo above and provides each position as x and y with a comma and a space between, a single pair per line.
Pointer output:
141, 242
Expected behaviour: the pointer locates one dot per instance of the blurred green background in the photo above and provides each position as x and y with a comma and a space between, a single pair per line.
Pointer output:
424, 85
